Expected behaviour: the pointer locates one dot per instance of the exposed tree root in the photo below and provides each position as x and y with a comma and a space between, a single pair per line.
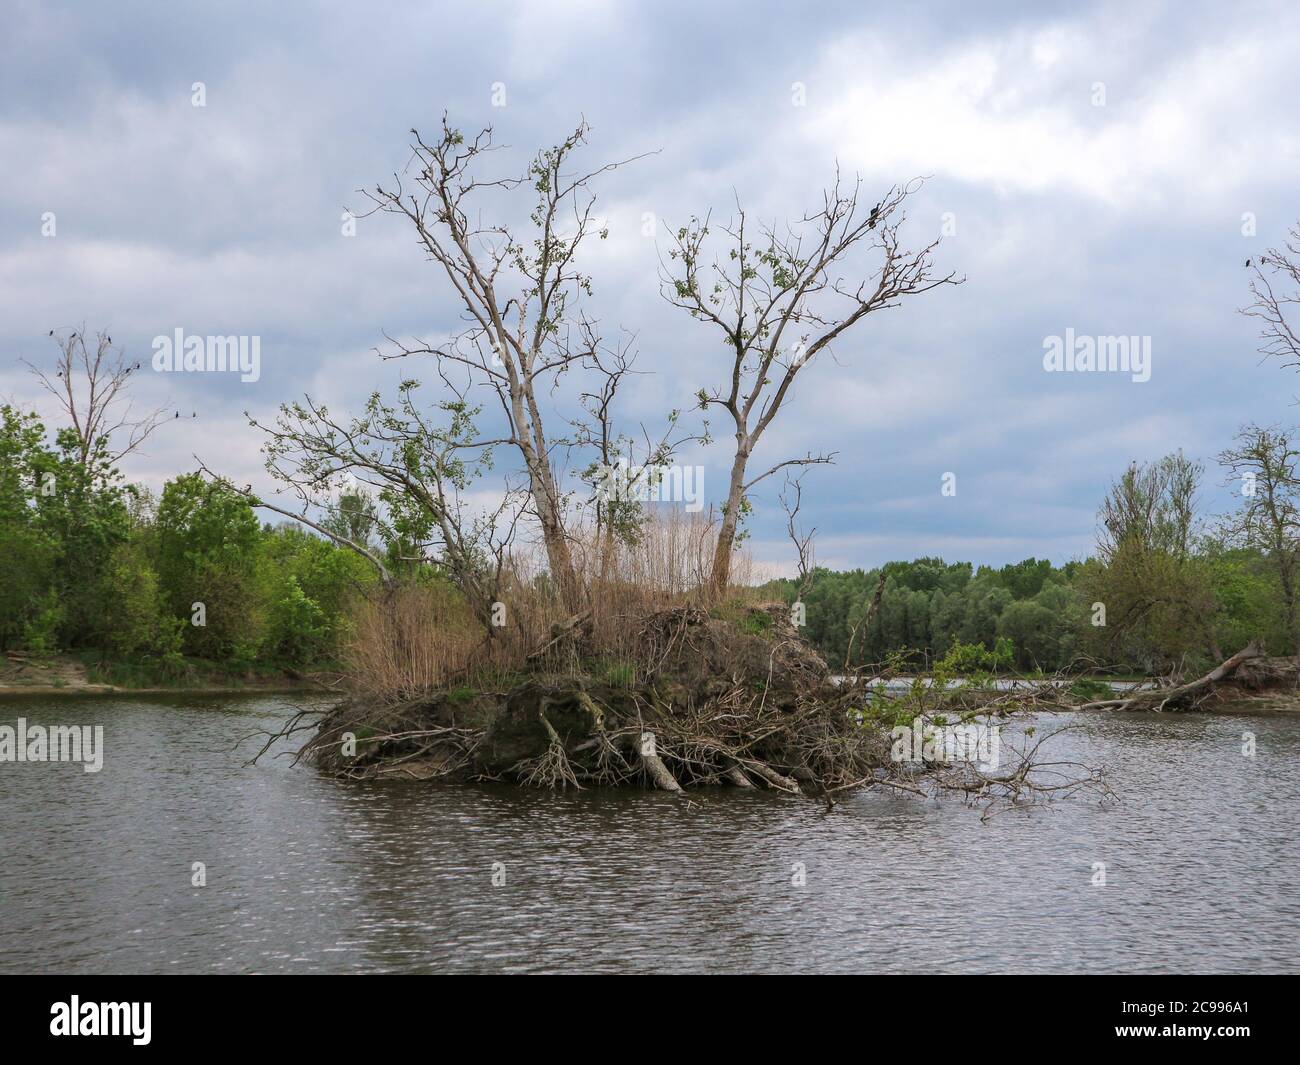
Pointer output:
552, 768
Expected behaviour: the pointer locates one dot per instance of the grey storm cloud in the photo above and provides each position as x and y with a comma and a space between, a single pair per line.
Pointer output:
1091, 164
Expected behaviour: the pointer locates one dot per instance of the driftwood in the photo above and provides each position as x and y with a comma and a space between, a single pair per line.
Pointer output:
1182, 696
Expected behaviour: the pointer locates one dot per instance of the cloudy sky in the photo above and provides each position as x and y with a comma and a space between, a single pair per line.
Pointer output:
1095, 162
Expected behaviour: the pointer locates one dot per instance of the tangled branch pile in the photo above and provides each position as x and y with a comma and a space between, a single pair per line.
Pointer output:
740, 700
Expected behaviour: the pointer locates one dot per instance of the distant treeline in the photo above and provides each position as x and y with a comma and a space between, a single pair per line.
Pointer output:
90, 562
1040, 616
929, 606
1168, 588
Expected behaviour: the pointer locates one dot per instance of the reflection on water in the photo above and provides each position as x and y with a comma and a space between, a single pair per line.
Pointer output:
308, 873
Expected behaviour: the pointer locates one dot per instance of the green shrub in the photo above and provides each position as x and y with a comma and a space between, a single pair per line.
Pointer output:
41, 633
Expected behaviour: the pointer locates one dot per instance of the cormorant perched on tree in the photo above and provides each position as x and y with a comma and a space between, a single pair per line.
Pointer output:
1248, 264
871, 222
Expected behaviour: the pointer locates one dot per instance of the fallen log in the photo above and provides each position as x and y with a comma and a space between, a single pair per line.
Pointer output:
1182, 696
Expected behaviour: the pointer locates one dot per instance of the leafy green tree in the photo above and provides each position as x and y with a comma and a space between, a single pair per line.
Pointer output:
138, 622
353, 516
1156, 593
87, 515
209, 553
30, 552
298, 627
1025, 579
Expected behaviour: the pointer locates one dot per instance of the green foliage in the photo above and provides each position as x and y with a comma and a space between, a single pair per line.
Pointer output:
974, 658
1088, 689
618, 674
91, 563
1160, 609
299, 629
1249, 596
30, 553
928, 607
137, 622
41, 631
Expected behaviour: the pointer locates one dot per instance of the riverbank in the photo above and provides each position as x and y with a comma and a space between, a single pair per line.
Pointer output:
70, 675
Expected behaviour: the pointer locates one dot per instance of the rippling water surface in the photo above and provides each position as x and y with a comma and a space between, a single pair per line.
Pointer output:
306, 873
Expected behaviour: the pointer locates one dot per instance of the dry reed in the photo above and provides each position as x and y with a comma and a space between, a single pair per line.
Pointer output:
421, 636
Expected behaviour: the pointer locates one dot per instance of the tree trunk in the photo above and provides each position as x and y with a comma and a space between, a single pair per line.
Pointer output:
1288, 595
531, 441
720, 576
558, 556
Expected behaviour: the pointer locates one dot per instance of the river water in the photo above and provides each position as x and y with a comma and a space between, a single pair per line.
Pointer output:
306, 873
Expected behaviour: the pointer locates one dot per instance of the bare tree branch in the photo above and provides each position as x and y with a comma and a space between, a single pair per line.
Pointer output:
779, 300
90, 386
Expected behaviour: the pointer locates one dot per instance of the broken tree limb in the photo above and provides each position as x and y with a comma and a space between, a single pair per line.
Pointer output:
773, 778
560, 631
865, 622
659, 773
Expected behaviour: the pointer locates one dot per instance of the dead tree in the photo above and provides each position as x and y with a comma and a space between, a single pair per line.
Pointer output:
1182, 696
521, 294
90, 382
779, 300
791, 502
1275, 286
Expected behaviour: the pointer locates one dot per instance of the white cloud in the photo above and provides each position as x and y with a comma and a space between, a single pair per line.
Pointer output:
1016, 114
